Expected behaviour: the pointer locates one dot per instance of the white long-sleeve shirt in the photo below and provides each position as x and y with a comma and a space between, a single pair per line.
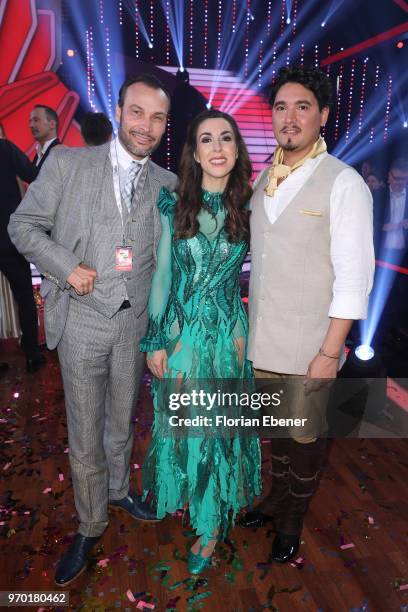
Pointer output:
351, 232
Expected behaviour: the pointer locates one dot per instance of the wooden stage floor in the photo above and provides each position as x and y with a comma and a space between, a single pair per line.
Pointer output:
353, 555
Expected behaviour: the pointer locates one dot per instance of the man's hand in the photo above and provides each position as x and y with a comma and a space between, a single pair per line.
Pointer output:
157, 362
82, 279
320, 367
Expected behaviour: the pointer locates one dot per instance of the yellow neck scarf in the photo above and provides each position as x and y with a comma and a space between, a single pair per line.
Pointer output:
279, 171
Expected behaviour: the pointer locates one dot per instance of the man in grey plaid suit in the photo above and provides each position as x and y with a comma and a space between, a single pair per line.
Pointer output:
91, 226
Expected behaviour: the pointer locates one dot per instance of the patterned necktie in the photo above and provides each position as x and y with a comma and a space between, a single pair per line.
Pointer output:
129, 187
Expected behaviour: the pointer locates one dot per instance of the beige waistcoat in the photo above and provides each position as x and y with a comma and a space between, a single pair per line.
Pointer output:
291, 285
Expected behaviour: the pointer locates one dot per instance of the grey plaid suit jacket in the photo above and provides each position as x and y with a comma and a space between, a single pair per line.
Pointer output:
62, 202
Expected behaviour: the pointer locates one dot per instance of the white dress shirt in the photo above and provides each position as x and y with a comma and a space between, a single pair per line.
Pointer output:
124, 160
42, 149
351, 232
394, 239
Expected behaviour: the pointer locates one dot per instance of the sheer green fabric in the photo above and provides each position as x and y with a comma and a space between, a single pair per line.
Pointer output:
196, 314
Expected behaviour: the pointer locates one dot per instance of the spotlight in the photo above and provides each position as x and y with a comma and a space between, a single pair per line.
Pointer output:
288, 20
150, 45
364, 352
405, 124
400, 44
208, 105
181, 68
70, 52
323, 24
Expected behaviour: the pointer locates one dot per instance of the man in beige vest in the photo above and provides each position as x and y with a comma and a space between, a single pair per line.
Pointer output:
312, 269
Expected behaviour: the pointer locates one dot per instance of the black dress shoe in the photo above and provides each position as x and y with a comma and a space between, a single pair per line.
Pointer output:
255, 519
284, 547
133, 505
75, 560
33, 364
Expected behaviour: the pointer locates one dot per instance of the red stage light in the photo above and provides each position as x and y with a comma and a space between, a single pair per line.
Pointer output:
400, 44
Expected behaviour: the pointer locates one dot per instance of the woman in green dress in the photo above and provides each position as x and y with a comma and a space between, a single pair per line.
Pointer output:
198, 331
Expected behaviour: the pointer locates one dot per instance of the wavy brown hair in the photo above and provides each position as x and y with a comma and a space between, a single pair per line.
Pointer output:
237, 192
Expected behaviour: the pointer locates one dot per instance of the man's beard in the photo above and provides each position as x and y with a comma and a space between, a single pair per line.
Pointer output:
289, 146
133, 149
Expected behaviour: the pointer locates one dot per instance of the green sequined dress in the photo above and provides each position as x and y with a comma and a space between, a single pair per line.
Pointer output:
196, 314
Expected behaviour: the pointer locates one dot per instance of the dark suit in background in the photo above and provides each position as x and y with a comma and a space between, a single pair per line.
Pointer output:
382, 215
13, 163
395, 284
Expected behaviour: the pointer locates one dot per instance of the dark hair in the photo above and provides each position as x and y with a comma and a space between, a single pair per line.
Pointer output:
147, 79
50, 113
313, 79
237, 192
400, 163
96, 129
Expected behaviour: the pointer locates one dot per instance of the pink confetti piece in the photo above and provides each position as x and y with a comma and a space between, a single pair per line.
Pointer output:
136, 466
371, 520
66, 451
345, 546
47, 490
403, 587
104, 563
6, 467
143, 604
130, 597
61, 477
297, 561
35, 415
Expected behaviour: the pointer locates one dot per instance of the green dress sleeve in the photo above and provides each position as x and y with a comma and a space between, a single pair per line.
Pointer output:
155, 338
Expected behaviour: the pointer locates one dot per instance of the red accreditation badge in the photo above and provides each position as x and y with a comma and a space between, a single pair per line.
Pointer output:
123, 258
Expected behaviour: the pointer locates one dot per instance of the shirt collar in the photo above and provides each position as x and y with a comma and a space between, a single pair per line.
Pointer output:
123, 157
41, 149
394, 195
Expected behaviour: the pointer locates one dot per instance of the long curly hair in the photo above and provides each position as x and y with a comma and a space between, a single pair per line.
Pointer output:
237, 193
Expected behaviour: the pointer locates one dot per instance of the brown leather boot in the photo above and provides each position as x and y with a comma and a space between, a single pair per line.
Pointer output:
274, 503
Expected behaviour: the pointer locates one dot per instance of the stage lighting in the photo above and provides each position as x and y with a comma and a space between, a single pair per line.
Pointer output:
70, 52
400, 44
181, 68
364, 352
323, 24
208, 105
150, 45
405, 124
288, 20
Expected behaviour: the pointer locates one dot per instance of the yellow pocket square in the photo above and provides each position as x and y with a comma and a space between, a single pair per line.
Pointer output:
312, 213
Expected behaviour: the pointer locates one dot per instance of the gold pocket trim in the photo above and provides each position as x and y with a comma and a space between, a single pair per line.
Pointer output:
312, 213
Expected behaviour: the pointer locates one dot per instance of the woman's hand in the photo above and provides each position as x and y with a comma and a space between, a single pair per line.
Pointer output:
157, 362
